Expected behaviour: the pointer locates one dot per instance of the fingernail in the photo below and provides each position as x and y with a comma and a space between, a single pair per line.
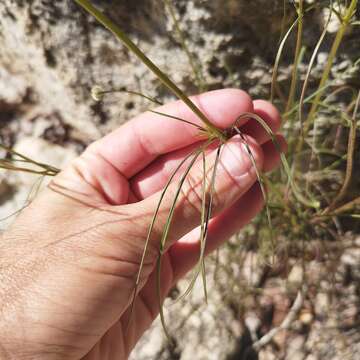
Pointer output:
236, 158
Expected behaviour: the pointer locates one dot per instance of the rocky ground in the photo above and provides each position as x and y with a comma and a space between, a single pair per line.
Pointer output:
246, 303
52, 55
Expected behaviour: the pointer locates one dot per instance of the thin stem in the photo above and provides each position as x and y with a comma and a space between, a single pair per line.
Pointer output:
324, 79
47, 168
165, 235
312, 60
350, 159
179, 119
193, 64
338, 211
26, 170
294, 187
283, 21
203, 227
111, 26
208, 216
33, 192
262, 188
205, 218
97, 93
277, 60
152, 224
307, 100
332, 55
294, 77
286, 323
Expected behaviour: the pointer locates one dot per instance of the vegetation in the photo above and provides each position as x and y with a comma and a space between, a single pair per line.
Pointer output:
313, 196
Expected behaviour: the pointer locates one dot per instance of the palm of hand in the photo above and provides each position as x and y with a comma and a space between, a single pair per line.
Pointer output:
97, 213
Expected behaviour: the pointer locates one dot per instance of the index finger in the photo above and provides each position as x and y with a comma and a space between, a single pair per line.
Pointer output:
140, 141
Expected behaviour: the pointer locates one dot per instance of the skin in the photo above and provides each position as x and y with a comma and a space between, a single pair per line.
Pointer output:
68, 263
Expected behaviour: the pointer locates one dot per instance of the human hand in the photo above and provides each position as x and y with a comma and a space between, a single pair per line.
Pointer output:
69, 262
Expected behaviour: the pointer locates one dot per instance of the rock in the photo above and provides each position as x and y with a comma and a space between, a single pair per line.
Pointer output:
22, 187
306, 317
44, 152
253, 323
351, 257
60, 53
252, 268
52, 55
322, 304
296, 275
5, 188
311, 357
295, 348
13, 89
267, 354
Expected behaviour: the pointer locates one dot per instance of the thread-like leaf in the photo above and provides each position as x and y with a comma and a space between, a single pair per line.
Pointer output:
195, 66
262, 187
151, 227
205, 218
97, 93
346, 19
179, 119
294, 76
117, 31
8, 164
277, 59
165, 235
312, 60
350, 158
296, 191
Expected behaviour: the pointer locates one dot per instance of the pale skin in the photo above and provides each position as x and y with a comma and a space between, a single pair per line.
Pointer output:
69, 261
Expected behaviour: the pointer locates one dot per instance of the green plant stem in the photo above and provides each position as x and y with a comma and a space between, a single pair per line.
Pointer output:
201, 129
324, 79
193, 64
165, 235
334, 49
111, 26
203, 227
205, 218
26, 170
312, 61
283, 21
350, 160
338, 211
278, 58
194, 153
296, 191
294, 78
25, 159
131, 92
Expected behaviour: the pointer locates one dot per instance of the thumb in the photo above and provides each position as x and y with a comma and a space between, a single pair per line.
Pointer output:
235, 174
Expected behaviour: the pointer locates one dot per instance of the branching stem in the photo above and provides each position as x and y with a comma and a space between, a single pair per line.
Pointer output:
115, 29
332, 55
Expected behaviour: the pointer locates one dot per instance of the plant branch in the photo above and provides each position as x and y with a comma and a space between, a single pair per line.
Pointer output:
194, 65
112, 27
350, 159
333, 52
300, 12
289, 319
